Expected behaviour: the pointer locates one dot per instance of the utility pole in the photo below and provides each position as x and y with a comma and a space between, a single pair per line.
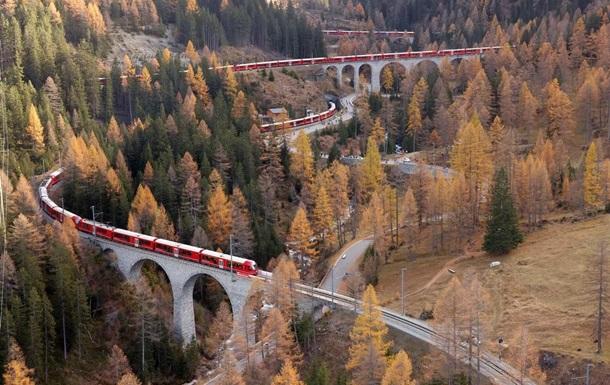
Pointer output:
402, 291
332, 284
600, 296
231, 254
93, 217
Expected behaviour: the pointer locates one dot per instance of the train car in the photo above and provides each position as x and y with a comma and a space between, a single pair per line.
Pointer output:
103, 231
166, 247
189, 252
240, 266
126, 237
85, 226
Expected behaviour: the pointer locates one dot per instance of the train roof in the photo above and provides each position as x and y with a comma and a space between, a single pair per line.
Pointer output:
194, 249
168, 242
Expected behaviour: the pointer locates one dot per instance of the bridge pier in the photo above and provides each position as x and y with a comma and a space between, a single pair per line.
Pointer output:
182, 277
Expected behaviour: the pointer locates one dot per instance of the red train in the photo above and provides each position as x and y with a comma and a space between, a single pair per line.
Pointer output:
357, 58
339, 32
292, 124
241, 266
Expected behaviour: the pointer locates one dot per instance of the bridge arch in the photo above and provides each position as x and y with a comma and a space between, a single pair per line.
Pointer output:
186, 296
399, 71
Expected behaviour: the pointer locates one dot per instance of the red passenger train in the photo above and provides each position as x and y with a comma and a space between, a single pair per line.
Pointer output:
357, 58
241, 266
292, 124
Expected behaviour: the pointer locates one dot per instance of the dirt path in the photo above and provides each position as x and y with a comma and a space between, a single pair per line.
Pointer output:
443, 271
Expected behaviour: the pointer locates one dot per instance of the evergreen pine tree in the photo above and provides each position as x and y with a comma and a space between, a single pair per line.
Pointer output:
503, 232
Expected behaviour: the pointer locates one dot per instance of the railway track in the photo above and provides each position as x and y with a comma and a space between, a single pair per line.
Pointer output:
497, 371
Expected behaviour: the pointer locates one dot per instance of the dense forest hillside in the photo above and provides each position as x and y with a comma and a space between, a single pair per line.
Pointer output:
172, 147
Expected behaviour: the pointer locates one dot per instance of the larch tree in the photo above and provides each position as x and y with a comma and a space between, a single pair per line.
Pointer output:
145, 80
113, 132
229, 373
387, 77
368, 342
16, 371
508, 112
523, 355
407, 216
191, 53
400, 371
449, 315
34, 132
337, 176
301, 161
129, 379
592, 187
143, 210
218, 331
243, 237
373, 221
370, 171
116, 367
559, 111
300, 235
230, 85
322, 217
281, 290
471, 155
377, 132
220, 222
503, 233
276, 333
414, 110
477, 97
240, 106
288, 375
162, 225
527, 106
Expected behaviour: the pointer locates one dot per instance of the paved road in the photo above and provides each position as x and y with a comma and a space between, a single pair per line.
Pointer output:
346, 263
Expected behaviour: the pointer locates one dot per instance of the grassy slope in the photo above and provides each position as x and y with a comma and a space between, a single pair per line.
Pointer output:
548, 283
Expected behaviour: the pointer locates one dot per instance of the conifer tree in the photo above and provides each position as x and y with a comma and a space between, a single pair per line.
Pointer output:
219, 218
400, 371
281, 291
129, 379
322, 217
34, 131
113, 132
243, 237
370, 171
471, 155
191, 53
230, 84
16, 371
387, 79
503, 232
287, 376
377, 132
143, 211
301, 161
229, 374
559, 111
276, 333
300, 235
368, 342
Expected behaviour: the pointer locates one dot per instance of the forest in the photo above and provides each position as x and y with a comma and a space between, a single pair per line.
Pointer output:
171, 147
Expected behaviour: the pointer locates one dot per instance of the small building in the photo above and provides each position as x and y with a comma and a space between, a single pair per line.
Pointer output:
278, 114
